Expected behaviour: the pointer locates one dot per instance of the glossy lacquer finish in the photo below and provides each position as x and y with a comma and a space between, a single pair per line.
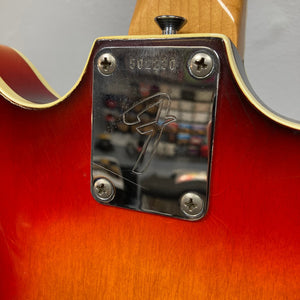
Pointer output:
57, 242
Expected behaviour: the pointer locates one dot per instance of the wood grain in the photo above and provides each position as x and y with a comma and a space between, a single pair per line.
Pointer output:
226, 17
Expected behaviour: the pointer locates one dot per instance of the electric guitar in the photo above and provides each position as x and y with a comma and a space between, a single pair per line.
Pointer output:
185, 185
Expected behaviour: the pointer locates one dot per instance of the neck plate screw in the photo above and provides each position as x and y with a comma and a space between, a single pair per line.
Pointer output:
200, 65
191, 204
104, 190
106, 64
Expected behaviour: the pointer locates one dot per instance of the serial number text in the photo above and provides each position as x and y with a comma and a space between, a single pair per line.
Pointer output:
152, 64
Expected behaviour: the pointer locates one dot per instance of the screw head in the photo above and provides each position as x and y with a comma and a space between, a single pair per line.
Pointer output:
200, 65
106, 64
104, 190
170, 24
191, 204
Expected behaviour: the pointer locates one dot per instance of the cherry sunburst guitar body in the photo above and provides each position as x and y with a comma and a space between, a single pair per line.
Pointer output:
57, 242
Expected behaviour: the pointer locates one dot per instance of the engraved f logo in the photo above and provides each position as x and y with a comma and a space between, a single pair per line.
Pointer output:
158, 103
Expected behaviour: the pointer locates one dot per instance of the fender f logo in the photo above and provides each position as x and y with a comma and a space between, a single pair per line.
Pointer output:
151, 119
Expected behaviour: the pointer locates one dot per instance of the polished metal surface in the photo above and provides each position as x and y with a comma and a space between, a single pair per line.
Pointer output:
151, 120
104, 190
200, 65
170, 24
191, 204
106, 64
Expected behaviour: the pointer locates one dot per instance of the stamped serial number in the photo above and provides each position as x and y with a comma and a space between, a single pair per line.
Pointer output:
152, 64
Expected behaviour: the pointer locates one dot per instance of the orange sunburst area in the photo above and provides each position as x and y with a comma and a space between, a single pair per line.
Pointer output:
137, 256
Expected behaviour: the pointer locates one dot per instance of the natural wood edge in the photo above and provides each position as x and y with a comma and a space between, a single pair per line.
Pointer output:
222, 17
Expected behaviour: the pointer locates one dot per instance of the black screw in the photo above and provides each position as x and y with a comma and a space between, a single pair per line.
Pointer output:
170, 24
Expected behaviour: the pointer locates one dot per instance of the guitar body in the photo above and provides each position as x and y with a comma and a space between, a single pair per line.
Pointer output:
57, 242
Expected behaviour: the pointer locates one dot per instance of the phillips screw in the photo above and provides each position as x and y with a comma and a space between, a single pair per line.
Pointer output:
104, 190
106, 64
191, 204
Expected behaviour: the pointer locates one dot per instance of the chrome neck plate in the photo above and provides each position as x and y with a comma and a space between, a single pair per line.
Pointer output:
152, 110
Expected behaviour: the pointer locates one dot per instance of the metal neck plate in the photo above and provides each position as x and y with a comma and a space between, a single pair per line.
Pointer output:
152, 107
